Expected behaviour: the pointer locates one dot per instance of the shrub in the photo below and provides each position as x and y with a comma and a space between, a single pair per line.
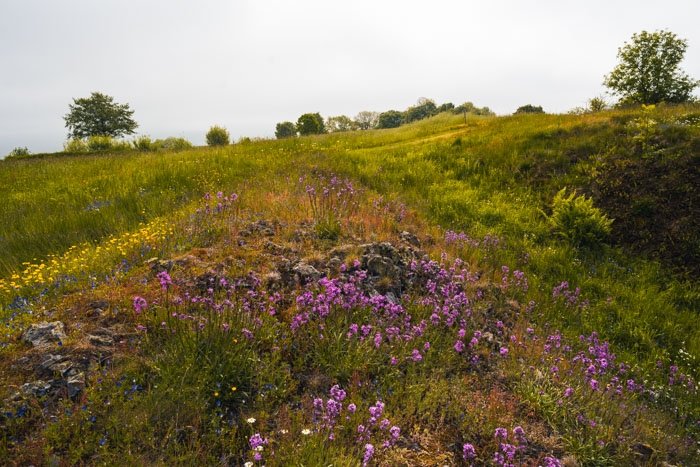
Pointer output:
19, 152
144, 144
577, 220
176, 144
529, 109
106, 143
218, 136
75, 145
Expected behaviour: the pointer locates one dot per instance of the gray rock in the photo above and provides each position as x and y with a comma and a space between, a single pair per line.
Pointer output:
100, 340
410, 238
45, 333
380, 266
53, 363
75, 384
36, 388
306, 273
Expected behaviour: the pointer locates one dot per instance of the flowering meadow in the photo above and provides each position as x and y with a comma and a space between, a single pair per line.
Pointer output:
345, 307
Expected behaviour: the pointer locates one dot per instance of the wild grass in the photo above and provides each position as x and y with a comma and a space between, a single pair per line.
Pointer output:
505, 343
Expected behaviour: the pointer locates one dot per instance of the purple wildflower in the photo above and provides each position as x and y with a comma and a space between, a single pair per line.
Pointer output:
139, 304
369, 452
468, 451
164, 279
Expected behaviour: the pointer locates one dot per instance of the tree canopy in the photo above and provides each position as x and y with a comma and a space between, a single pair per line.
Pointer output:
339, 123
529, 109
649, 73
285, 130
310, 124
99, 115
390, 119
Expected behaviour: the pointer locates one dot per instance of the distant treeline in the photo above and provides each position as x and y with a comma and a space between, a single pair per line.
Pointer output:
313, 123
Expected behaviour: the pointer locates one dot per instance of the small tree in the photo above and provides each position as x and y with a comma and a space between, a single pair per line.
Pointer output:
529, 109
339, 123
285, 130
218, 136
390, 119
99, 115
597, 104
310, 124
366, 120
445, 107
425, 108
648, 72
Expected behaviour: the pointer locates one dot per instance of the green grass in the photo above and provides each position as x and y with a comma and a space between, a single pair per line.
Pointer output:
184, 390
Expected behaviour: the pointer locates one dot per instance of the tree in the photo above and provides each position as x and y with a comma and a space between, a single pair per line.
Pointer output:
285, 130
529, 109
310, 124
217, 136
99, 115
648, 71
340, 123
390, 119
425, 108
445, 107
366, 120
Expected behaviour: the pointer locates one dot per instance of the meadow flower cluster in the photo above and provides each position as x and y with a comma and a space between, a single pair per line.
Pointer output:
332, 201
81, 267
506, 451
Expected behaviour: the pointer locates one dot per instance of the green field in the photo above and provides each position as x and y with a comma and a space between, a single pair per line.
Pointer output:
508, 312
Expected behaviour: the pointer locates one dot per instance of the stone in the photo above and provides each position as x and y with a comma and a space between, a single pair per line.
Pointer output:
100, 341
75, 384
306, 273
36, 388
410, 238
99, 304
380, 266
45, 333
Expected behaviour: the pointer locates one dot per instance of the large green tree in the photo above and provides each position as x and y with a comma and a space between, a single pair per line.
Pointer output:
285, 130
390, 119
99, 115
649, 73
310, 124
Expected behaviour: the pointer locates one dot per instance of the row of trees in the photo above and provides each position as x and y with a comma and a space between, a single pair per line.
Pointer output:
311, 124
648, 73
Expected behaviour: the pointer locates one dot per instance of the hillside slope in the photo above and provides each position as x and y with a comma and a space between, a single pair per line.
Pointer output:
382, 298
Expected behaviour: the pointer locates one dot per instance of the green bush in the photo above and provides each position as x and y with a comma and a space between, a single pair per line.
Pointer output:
577, 220
106, 143
96, 144
218, 136
19, 152
529, 109
75, 145
144, 144
176, 144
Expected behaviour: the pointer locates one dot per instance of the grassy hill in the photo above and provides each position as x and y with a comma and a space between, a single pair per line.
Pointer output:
447, 292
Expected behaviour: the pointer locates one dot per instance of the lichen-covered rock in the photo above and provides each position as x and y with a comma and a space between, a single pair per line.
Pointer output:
45, 333
306, 273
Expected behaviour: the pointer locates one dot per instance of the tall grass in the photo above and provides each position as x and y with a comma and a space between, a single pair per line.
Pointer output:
230, 370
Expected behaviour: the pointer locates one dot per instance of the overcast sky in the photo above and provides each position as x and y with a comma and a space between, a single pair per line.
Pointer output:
184, 66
